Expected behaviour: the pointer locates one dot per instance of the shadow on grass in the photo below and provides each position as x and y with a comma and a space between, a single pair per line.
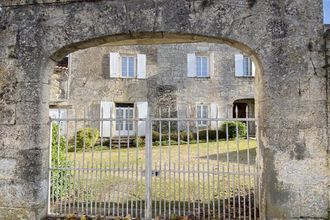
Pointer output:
232, 156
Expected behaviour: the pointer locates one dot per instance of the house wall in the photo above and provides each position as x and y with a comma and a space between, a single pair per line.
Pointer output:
166, 84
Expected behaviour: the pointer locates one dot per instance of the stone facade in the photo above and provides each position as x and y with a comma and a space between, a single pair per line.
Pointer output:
284, 38
166, 85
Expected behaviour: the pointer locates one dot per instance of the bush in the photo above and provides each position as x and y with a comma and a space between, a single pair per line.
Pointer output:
184, 136
139, 142
61, 178
212, 135
232, 129
87, 136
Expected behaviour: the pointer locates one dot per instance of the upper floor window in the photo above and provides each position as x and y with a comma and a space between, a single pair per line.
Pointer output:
202, 63
128, 66
199, 65
244, 66
202, 113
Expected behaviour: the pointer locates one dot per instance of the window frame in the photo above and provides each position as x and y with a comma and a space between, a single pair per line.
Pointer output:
199, 56
202, 106
127, 56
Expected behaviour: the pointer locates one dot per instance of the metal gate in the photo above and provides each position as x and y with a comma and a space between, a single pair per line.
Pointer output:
197, 168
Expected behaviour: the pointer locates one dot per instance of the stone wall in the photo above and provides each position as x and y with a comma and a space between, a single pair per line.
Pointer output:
284, 38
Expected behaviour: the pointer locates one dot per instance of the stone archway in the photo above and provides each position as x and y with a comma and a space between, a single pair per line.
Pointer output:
291, 106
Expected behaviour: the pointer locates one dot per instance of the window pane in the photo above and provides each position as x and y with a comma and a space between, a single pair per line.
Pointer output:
198, 66
124, 66
204, 66
247, 66
131, 67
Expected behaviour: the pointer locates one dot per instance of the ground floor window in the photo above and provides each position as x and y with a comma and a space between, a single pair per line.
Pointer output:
124, 117
202, 113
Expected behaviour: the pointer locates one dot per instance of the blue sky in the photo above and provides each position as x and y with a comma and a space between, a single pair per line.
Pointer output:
326, 11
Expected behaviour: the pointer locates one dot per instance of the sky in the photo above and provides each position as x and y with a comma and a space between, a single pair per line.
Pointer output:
326, 10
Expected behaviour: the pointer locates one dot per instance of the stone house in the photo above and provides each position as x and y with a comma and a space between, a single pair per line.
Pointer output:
190, 80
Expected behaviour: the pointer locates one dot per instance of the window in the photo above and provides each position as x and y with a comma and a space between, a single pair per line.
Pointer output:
202, 66
244, 66
127, 66
202, 113
124, 116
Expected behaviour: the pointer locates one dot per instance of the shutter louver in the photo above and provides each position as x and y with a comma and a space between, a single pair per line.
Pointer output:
114, 65
141, 66
191, 59
239, 69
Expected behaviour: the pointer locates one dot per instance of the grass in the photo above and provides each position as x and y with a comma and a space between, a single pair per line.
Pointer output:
173, 154
212, 174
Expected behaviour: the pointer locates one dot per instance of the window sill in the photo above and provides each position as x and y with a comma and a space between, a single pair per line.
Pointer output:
245, 77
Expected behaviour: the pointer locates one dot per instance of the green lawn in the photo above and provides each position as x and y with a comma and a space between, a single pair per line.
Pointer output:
173, 155
205, 173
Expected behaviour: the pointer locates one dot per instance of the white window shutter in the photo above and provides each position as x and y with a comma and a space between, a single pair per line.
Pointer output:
214, 114
114, 65
106, 110
191, 59
253, 69
141, 66
142, 112
239, 70
211, 64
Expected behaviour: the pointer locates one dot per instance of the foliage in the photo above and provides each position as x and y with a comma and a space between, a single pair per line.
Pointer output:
61, 178
232, 129
211, 134
87, 137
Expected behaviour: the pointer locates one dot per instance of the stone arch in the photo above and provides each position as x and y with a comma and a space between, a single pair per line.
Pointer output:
278, 35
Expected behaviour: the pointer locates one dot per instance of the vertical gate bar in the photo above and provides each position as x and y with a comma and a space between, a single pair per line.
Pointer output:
194, 194
244, 192
160, 165
102, 193
80, 186
218, 162
184, 190
128, 201
238, 162
174, 189
74, 163
148, 211
213, 189
109, 178
136, 164
203, 188
117, 187
188, 140
258, 180
49, 210
141, 204
208, 168
224, 192
179, 163
67, 203
132, 204
228, 168
248, 159
255, 192
198, 170
87, 190
165, 191
98, 187
169, 159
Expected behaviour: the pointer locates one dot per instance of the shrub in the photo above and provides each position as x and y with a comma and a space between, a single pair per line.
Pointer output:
232, 129
184, 136
61, 178
87, 136
139, 141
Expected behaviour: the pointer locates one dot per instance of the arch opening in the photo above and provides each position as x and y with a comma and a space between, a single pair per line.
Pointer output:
139, 115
